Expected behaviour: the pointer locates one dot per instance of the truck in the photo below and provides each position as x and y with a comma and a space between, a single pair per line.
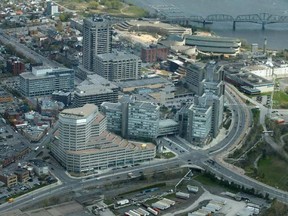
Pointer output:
143, 212
168, 201
122, 202
182, 195
193, 189
152, 211
160, 205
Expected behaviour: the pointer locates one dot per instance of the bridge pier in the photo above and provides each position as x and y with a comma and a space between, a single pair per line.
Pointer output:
234, 25
204, 23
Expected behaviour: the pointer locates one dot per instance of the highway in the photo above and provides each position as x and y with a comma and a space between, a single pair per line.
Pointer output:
185, 156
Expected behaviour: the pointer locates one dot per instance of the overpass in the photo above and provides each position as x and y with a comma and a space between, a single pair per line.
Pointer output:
261, 18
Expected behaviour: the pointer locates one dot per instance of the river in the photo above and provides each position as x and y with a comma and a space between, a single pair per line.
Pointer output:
276, 34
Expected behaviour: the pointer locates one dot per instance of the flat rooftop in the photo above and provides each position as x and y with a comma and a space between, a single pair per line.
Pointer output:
167, 122
80, 112
117, 56
95, 84
143, 82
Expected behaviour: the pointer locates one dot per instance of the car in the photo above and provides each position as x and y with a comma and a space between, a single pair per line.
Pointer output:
188, 160
117, 177
52, 168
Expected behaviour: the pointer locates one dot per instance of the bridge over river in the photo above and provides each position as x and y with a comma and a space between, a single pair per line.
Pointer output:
261, 18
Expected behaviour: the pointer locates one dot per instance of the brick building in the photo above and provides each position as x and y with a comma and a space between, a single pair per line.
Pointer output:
154, 53
15, 66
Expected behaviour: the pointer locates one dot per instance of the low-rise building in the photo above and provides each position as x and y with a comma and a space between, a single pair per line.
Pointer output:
168, 127
22, 174
44, 81
154, 53
64, 97
95, 89
9, 179
40, 167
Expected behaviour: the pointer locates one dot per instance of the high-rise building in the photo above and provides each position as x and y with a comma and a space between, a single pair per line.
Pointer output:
44, 81
85, 145
133, 119
199, 122
95, 89
97, 39
118, 66
52, 8
143, 120
194, 77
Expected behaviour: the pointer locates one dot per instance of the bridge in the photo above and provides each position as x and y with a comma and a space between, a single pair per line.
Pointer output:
262, 18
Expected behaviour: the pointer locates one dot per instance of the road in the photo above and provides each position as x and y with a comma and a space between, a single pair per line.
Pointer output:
185, 156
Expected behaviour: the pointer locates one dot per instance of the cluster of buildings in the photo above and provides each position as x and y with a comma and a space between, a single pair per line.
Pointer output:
24, 173
202, 120
98, 56
84, 144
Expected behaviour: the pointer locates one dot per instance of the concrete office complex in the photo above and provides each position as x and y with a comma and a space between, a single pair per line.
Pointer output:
199, 123
85, 145
133, 119
143, 120
95, 89
118, 66
45, 80
97, 39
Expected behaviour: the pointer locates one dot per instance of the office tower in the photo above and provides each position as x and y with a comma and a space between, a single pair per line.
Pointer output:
143, 120
118, 66
97, 39
84, 144
133, 119
194, 77
199, 122
44, 81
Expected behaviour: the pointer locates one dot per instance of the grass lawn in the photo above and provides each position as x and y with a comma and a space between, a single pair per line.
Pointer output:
167, 155
280, 100
273, 171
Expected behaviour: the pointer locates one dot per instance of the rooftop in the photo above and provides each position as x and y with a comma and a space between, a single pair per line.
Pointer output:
143, 82
167, 123
80, 112
95, 84
117, 56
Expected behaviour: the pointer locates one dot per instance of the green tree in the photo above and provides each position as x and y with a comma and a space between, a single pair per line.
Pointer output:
93, 5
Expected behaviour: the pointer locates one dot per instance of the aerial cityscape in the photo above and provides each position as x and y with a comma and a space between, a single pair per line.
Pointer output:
143, 107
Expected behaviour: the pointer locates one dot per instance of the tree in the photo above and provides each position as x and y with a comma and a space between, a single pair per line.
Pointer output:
93, 5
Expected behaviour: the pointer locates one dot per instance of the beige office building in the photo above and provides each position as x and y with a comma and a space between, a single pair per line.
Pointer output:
85, 145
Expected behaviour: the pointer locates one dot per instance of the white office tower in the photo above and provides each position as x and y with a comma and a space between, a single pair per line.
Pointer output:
97, 39
199, 122
84, 144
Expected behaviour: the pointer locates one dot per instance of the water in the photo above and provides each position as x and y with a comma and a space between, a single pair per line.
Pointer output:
276, 34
